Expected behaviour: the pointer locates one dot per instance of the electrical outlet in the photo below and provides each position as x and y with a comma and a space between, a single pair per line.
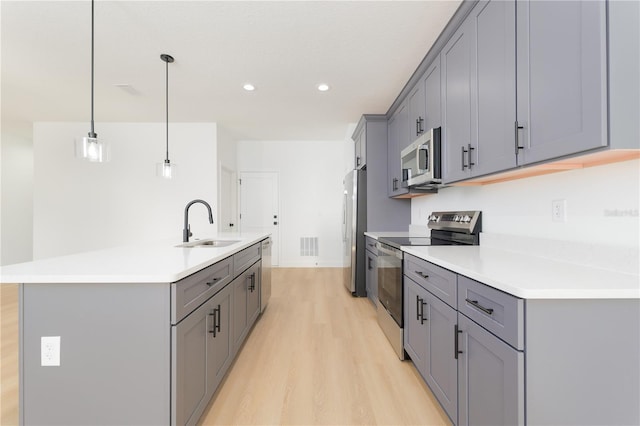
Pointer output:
559, 210
50, 351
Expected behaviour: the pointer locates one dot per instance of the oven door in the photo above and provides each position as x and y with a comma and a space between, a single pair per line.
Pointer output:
390, 280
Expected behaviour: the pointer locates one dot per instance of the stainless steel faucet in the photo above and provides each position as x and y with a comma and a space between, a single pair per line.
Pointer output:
186, 232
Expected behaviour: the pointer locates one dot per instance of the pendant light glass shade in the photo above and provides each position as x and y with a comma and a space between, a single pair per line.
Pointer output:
166, 169
90, 147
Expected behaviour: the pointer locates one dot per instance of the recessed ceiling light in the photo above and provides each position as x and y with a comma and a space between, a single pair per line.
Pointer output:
249, 87
323, 87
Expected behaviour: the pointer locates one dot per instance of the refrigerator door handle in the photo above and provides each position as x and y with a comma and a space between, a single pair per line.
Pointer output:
344, 217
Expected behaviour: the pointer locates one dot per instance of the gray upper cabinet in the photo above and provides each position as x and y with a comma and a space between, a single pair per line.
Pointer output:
360, 144
494, 86
479, 93
562, 80
457, 106
397, 139
417, 114
431, 82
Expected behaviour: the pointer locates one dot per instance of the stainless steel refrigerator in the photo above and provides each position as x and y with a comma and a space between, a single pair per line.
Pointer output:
354, 223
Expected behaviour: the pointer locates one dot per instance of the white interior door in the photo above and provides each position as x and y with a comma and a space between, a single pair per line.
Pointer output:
227, 201
259, 207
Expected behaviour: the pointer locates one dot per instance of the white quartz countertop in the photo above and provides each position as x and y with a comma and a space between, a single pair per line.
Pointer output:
149, 262
383, 234
531, 277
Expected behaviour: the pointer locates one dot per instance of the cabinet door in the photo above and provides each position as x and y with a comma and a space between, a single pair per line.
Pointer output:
416, 329
416, 119
562, 81
457, 106
219, 339
442, 365
240, 289
394, 167
253, 294
494, 88
432, 95
490, 378
189, 361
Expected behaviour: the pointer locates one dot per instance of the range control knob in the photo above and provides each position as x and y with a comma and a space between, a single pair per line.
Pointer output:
466, 219
457, 218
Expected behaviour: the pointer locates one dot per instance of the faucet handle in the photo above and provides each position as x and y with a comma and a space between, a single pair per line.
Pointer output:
189, 230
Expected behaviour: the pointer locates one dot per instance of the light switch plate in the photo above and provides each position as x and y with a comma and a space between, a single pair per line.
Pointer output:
50, 351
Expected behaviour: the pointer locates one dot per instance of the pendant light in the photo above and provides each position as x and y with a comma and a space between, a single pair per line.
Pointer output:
89, 147
166, 169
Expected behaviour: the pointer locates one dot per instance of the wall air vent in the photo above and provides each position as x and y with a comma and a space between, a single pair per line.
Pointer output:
308, 246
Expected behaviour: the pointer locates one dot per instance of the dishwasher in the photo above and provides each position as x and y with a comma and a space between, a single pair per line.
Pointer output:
265, 277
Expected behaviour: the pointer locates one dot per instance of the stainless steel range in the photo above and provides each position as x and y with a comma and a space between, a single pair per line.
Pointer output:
447, 228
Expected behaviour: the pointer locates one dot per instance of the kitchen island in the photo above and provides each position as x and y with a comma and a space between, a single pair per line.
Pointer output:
142, 334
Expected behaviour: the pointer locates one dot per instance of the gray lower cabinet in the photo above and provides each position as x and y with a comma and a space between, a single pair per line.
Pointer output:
442, 368
200, 354
491, 358
490, 378
246, 303
415, 329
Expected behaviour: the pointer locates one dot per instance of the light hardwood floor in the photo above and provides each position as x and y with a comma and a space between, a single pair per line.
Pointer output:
316, 356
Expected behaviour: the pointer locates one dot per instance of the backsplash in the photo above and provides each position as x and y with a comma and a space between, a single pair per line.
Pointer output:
601, 205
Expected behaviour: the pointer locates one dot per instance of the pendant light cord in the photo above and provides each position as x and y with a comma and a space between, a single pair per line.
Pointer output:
167, 105
92, 133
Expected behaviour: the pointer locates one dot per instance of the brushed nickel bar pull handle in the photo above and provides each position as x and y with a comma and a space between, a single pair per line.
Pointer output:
213, 281
422, 274
417, 308
471, 163
422, 318
475, 304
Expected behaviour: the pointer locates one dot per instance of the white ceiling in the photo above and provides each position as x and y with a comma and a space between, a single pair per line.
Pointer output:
365, 50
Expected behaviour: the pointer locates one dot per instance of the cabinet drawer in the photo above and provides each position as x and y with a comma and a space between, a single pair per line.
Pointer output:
439, 281
190, 292
500, 313
370, 244
245, 258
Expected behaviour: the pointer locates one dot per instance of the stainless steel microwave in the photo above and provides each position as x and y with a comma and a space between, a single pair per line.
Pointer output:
421, 161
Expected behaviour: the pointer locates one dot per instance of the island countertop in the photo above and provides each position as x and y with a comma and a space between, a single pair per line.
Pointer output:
149, 262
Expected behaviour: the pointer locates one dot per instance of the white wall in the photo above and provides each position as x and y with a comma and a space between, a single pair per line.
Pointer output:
310, 190
16, 204
81, 206
602, 205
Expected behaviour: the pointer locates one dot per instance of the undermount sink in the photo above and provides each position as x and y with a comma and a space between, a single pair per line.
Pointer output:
208, 243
